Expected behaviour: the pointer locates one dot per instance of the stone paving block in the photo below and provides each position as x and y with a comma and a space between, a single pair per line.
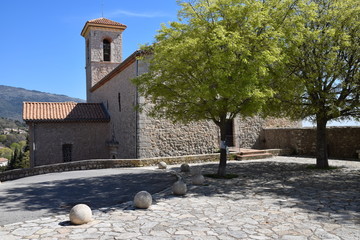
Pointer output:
241, 208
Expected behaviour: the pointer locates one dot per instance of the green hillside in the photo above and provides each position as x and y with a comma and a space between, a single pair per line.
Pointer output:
12, 98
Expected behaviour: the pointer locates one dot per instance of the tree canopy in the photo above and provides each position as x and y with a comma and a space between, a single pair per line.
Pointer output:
213, 63
224, 58
320, 75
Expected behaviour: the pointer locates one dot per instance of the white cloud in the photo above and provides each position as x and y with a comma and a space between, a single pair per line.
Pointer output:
118, 13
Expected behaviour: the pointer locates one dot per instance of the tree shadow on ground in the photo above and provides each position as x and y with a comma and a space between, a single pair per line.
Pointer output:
324, 193
98, 192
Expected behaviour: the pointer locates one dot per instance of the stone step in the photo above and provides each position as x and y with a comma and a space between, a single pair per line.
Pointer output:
253, 156
248, 153
245, 152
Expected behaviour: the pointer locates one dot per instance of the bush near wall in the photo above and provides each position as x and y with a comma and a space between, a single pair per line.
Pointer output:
343, 142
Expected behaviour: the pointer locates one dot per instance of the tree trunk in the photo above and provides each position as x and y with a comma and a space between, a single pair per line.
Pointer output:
223, 153
321, 144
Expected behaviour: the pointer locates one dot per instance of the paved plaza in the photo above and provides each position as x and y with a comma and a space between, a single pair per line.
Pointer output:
278, 198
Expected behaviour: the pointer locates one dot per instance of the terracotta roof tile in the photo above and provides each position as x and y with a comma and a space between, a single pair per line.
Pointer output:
102, 22
106, 21
64, 112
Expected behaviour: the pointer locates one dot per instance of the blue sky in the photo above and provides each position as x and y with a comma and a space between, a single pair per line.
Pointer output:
41, 47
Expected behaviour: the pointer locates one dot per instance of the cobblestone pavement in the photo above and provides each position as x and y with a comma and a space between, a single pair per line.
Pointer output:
279, 198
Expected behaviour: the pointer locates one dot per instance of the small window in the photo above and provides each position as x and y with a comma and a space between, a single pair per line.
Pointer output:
87, 51
119, 101
67, 152
107, 50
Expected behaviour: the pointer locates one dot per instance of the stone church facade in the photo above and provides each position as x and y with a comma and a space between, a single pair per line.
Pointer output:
114, 129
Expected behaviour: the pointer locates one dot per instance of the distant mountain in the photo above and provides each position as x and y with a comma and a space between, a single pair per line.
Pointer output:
12, 98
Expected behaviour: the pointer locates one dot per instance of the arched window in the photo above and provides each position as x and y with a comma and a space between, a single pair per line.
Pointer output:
107, 50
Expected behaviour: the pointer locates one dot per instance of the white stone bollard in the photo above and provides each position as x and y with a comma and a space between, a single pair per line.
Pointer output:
185, 167
198, 179
196, 171
143, 200
179, 188
162, 165
80, 214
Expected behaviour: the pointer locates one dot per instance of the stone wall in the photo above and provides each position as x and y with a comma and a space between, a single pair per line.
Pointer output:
247, 130
160, 137
343, 142
119, 98
141, 136
88, 141
96, 68
104, 163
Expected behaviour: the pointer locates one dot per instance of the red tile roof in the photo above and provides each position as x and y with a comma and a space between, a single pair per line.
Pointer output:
102, 22
64, 112
106, 21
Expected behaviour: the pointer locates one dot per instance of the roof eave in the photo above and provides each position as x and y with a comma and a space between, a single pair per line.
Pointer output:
88, 24
29, 121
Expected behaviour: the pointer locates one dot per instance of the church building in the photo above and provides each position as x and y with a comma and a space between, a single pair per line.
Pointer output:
108, 126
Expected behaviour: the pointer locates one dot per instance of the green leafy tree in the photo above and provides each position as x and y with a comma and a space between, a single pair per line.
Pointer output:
2, 138
26, 156
320, 77
23, 145
15, 145
19, 159
212, 64
13, 161
6, 153
25, 163
14, 138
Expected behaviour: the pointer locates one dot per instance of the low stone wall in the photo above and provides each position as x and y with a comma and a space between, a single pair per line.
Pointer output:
343, 142
104, 163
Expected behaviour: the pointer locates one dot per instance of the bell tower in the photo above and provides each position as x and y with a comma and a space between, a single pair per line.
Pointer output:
103, 51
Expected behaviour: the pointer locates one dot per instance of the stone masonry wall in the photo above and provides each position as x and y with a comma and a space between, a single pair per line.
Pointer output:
247, 131
87, 139
163, 138
104, 163
343, 142
141, 136
96, 68
119, 97
96, 37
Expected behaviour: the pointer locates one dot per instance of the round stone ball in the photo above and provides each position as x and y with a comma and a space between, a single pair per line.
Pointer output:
198, 179
143, 200
185, 167
196, 171
80, 214
162, 165
179, 188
